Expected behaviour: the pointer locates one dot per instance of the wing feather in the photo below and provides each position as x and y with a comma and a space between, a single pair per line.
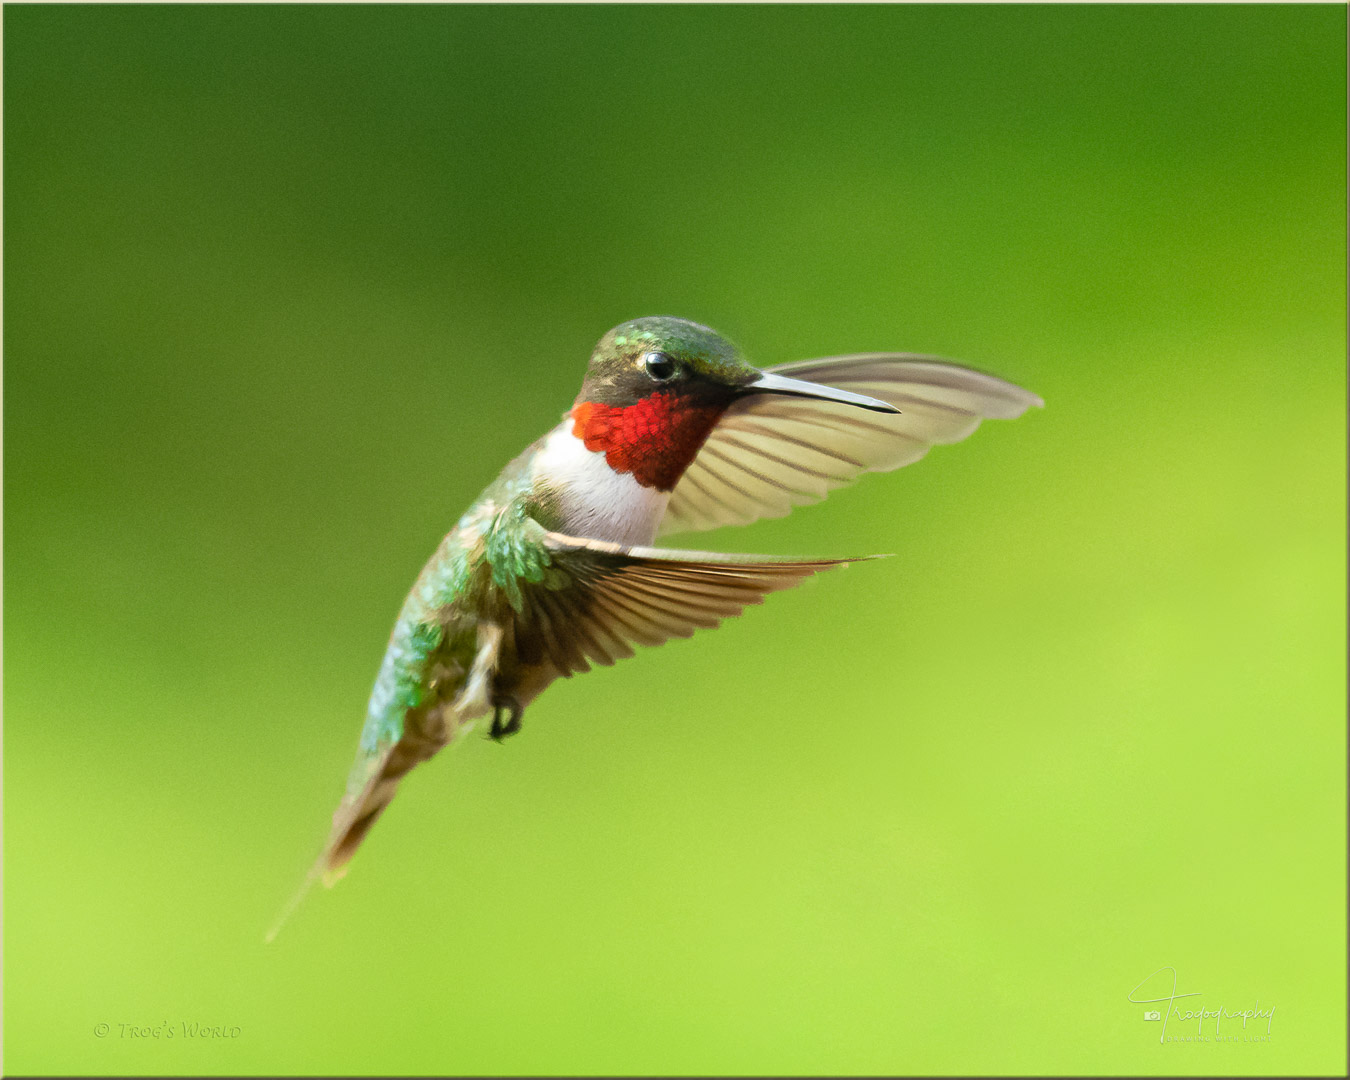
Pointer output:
769, 453
608, 597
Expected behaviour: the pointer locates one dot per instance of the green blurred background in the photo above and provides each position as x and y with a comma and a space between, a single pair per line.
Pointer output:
286, 286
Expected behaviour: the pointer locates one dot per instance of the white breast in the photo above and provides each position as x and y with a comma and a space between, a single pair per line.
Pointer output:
596, 501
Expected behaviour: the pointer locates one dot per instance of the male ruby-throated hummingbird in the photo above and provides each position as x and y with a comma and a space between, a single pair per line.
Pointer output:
552, 569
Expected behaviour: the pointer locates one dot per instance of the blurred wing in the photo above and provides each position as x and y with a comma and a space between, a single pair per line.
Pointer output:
601, 599
769, 453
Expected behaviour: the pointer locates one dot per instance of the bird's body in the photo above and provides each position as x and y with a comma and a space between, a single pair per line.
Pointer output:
552, 568
451, 656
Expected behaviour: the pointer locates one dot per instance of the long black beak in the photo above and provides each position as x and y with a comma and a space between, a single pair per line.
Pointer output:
768, 383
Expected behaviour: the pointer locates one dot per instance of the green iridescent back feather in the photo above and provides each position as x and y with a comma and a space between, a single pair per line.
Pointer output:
478, 571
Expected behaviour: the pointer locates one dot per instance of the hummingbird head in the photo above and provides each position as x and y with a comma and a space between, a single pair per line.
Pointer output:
656, 387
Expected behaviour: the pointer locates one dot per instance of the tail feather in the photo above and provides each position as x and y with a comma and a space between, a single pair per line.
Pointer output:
354, 817
352, 820
375, 777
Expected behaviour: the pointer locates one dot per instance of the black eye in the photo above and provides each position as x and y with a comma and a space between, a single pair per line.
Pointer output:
659, 366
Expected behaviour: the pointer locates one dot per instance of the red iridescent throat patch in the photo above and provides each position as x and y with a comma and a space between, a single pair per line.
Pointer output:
654, 439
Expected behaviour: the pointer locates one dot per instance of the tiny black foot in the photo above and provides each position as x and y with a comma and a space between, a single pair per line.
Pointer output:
502, 730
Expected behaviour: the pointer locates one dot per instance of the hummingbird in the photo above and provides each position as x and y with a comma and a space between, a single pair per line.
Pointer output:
553, 570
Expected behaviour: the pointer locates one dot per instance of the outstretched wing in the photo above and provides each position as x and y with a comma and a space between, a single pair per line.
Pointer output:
769, 453
603, 598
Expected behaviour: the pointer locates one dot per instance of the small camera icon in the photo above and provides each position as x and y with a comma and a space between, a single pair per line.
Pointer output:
1153, 1014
